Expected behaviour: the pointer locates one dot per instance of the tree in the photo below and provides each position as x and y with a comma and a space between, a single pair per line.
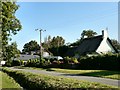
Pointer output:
47, 42
31, 46
57, 41
54, 42
12, 51
116, 44
54, 45
89, 33
10, 24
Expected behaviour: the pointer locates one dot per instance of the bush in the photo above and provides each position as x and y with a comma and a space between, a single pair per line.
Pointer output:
33, 63
8, 63
38, 63
102, 62
17, 62
11, 63
74, 60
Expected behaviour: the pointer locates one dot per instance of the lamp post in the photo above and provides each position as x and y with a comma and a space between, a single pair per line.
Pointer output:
40, 30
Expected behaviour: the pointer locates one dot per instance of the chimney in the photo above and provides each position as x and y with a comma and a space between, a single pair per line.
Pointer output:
105, 34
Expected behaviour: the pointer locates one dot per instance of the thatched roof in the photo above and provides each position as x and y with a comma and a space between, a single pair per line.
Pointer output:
88, 45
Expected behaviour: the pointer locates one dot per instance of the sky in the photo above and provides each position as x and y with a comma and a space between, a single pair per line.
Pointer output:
66, 19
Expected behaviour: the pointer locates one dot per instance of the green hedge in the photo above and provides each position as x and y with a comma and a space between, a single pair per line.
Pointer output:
102, 62
14, 63
37, 63
31, 81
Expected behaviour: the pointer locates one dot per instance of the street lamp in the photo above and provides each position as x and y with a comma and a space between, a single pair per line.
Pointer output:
40, 30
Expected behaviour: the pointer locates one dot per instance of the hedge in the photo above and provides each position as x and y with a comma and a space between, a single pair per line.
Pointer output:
101, 62
31, 81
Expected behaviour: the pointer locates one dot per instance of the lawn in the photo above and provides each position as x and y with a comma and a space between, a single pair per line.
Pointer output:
95, 73
8, 82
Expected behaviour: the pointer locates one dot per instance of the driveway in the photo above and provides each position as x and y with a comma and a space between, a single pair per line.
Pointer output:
86, 78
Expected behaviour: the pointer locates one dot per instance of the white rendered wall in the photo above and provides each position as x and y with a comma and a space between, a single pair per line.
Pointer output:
105, 47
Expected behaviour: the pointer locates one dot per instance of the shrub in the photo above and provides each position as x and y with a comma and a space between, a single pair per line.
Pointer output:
38, 63
8, 63
74, 60
17, 62
102, 62
33, 63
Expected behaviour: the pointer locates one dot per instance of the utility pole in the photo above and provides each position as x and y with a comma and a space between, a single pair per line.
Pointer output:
40, 30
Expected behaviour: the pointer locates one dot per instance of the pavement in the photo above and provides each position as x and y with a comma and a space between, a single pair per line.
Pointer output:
106, 81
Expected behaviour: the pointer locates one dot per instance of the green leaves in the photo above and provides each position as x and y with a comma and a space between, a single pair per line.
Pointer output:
10, 24
31, 46
12, 51
89, 33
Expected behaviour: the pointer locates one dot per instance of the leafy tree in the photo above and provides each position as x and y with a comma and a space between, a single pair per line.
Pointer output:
54, 42
89, 33
54, 45
31, 46
57, 41
116, 44
12, 51
10, 24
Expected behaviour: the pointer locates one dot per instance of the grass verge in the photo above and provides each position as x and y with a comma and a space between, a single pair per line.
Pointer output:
32, 81
8, 83
94, 73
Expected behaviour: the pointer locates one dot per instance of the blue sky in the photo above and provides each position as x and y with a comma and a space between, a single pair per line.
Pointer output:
66, 19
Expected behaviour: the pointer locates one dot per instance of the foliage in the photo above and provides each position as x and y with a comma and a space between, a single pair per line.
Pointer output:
57, 41
59, 51
74, 60
17, 62
37, 63
12, 51
116, 44
10, 24
8, 63
40, 82
31, 46
14, 63
66, 59
33, 63
54, 42
47, 42
101, 62
54, 45
69, 60
89, 33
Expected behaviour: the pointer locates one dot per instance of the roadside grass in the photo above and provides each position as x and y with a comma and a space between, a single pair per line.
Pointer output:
8, 82
30, 81
94, 73
0, 80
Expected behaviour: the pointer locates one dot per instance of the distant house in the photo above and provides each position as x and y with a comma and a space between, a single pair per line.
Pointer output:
45, 53
97, 44
26, 57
